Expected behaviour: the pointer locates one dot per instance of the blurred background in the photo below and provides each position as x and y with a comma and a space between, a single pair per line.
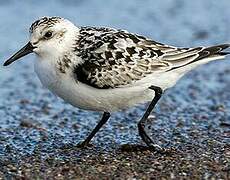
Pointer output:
190, 116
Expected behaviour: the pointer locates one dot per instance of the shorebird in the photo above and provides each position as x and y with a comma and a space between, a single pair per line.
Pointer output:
106, 70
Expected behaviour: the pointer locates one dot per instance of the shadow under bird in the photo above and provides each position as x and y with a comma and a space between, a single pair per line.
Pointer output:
106, 70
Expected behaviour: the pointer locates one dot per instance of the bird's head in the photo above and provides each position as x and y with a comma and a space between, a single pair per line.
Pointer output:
48, 35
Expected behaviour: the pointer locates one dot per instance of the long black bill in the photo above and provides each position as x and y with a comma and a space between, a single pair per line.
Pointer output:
27, 49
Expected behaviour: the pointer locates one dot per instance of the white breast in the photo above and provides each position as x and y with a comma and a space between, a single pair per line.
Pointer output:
46, 73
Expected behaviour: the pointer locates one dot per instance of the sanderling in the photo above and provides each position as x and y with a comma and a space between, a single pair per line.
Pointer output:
104, 69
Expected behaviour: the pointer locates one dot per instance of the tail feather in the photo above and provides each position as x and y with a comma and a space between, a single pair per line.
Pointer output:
224, 53
198, 54
213, 50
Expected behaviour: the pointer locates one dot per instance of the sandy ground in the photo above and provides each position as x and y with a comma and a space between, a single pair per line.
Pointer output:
39, 132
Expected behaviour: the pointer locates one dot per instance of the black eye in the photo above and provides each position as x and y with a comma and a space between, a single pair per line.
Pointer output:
48, 34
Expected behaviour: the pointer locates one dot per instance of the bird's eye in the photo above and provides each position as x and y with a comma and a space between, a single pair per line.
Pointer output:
48, 34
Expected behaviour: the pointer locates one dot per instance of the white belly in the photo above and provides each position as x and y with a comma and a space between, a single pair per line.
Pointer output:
86, 97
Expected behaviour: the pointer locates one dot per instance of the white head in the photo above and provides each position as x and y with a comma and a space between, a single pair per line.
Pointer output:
47, 35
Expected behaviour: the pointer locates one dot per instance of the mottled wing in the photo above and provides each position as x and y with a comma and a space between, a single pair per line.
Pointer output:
114, 58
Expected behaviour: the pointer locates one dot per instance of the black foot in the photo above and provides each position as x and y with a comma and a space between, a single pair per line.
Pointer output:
149, 142
158, 149
145, 137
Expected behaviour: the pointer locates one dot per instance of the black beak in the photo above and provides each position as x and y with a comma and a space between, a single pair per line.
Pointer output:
27, 49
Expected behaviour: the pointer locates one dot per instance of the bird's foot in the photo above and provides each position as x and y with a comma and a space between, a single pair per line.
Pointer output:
161, 150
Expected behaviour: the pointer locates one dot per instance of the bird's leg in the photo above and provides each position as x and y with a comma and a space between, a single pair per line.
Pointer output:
141, 125
103, 120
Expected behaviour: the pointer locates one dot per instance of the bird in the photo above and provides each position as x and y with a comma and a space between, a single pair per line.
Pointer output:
107, 70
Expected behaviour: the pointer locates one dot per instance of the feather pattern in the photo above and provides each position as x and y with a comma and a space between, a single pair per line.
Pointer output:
114, 58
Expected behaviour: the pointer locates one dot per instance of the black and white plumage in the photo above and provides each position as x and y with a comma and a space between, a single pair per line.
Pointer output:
113, 58
105, 69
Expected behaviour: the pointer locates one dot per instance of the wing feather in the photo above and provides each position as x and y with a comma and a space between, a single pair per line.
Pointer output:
114, 58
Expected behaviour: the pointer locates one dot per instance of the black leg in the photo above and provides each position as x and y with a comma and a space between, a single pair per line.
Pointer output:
141, 125
103, 120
